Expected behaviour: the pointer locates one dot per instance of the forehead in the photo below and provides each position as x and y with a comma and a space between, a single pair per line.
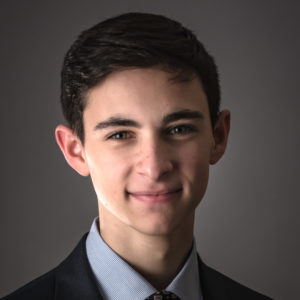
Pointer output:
139, 92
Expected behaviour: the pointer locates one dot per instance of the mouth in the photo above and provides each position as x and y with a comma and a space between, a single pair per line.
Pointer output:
156, 196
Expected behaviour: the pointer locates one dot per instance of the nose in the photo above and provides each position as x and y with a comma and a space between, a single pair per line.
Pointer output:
154, 159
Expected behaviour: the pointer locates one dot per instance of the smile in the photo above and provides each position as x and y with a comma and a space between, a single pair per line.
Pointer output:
155, 197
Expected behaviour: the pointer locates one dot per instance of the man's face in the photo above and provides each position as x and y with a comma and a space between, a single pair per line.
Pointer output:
148, 145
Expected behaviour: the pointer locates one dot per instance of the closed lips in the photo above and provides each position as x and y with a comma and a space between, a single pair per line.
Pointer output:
155, 193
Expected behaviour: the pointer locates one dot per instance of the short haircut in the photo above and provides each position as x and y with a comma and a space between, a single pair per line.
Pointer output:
132, 40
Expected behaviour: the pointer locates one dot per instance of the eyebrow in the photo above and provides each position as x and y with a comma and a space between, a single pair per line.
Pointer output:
182, 114
117, 121
172, 117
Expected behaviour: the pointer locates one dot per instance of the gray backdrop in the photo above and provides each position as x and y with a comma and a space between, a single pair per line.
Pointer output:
248, 224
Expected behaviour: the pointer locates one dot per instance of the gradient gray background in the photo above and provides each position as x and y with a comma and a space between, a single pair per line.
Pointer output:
248, 223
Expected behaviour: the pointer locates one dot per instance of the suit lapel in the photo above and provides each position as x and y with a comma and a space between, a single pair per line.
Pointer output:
212, 283
74, 277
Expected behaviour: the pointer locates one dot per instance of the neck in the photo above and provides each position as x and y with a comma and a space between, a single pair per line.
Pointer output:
158, 258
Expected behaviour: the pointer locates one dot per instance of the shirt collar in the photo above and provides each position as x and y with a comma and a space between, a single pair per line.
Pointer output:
109, 267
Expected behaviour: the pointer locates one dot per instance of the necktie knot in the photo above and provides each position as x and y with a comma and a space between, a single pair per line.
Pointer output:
163, 295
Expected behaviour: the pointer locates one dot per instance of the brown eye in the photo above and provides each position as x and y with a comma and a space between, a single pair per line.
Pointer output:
180, 130
120, 135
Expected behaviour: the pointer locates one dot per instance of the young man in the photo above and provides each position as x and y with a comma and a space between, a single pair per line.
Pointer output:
141, 97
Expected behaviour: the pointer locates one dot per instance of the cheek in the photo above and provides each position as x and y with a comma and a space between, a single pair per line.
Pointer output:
196, 171
108, 176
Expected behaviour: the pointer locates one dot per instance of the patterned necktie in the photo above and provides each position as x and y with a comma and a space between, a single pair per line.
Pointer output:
163, 295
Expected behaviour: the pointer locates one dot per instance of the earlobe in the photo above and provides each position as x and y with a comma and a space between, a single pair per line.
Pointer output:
220, 133
72, 149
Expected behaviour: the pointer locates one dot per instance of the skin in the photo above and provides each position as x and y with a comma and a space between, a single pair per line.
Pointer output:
148, 147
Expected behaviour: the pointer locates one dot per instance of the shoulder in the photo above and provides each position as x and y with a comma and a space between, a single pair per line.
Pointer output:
40, 288
70, 280
216, 285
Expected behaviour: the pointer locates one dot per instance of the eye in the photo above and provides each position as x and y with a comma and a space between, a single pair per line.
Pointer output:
120, 135
180, 130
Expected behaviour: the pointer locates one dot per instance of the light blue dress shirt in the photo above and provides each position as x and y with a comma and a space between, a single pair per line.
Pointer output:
119, 281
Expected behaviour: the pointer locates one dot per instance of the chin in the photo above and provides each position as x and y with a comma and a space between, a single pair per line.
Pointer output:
155, 232
156, 227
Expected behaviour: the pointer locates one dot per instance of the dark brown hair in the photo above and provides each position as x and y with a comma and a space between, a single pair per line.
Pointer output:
133, 40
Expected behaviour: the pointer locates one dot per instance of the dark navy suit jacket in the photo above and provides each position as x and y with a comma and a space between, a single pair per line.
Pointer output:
73, 280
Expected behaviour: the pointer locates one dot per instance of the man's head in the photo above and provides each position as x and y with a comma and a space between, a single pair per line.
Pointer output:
129, 41
142, 98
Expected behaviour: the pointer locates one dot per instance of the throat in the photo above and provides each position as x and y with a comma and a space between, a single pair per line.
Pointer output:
157, 259
161, 272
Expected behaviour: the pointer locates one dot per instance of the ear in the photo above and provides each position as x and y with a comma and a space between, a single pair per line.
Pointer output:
220, 133
72, 149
